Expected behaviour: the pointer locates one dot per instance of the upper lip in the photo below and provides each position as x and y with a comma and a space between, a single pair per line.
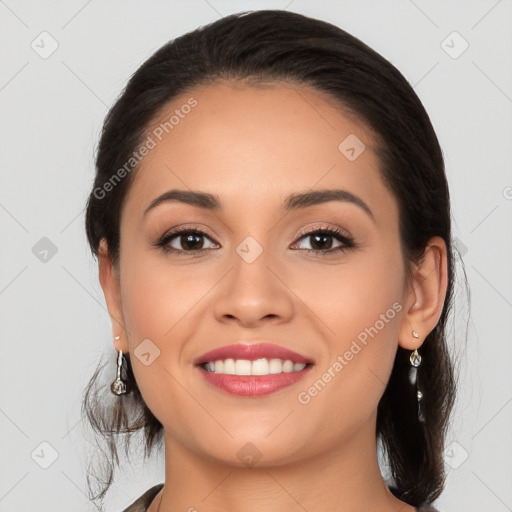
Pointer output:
251, 352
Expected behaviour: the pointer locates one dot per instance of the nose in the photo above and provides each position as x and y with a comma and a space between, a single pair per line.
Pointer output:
253, 294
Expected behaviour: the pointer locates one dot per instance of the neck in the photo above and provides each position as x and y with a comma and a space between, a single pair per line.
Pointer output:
346, 478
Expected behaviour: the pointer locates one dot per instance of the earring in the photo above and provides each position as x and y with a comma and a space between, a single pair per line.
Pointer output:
118, 387
415, 360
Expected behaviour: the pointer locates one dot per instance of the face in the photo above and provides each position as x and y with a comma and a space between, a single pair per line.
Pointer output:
322, 278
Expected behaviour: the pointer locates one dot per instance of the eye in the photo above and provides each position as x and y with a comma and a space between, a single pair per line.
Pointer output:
189, 241
322, 241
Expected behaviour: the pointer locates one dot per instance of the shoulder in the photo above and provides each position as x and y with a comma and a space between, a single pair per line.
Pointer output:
142, 503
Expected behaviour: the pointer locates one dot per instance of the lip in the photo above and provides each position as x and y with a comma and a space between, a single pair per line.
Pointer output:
252, 352
253, 385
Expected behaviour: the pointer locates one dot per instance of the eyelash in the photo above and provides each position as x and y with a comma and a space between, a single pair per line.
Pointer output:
347, 241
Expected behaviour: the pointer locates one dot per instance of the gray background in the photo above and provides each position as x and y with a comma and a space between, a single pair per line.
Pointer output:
54, 325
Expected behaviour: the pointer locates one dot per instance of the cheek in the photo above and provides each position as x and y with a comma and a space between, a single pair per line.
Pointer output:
159, 303
156, 295
350, 298
358, 306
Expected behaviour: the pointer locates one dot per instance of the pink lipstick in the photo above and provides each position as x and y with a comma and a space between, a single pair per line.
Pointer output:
252, 370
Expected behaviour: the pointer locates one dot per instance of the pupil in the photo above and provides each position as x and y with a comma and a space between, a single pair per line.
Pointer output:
187, 240
322, 243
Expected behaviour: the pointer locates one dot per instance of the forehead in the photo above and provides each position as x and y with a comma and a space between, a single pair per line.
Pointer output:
256, 144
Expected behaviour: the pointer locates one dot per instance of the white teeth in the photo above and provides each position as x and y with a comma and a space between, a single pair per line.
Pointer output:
259, 367
275, 366
242, 367
288, 366
229, 367
256, 367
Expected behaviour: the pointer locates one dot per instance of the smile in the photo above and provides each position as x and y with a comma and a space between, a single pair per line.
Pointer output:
252, 369
261, 366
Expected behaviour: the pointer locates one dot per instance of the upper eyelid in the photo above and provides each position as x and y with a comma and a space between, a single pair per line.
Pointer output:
331, 230
185, 229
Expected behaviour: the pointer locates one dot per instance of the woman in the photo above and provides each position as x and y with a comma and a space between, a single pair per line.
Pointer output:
271, 218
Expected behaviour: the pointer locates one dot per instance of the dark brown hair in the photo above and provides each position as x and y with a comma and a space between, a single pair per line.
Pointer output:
281, 46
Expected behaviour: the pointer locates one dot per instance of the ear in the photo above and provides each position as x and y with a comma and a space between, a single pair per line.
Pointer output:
110, 283
426, 295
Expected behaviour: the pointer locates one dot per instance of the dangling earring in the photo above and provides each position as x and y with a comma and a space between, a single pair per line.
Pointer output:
415, 360
118, 387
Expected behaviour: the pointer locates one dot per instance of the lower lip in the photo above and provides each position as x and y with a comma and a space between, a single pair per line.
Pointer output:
253, 385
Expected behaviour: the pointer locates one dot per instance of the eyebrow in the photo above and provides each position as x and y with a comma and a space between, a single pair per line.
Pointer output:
294, 201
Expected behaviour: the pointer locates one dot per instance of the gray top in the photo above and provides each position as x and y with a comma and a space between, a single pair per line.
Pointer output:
142, 503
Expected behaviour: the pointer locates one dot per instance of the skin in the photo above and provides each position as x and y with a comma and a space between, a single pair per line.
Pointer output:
252, 147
